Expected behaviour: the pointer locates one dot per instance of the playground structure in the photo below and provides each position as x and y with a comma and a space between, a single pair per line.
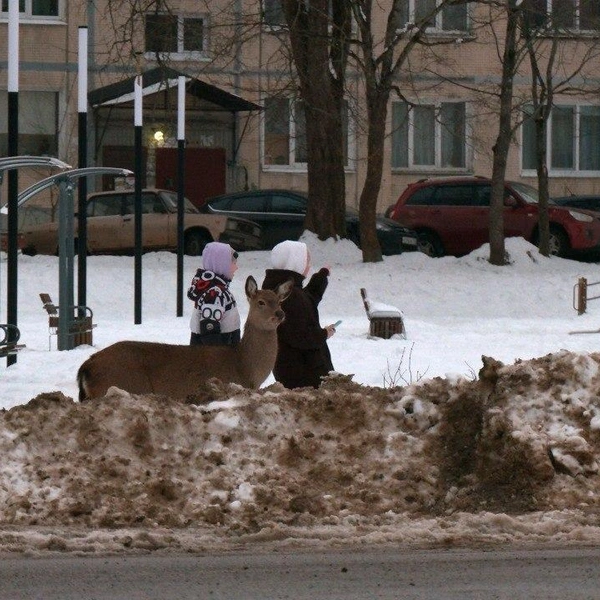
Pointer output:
68, 317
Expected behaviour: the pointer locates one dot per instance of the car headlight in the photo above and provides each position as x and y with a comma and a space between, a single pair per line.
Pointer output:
581, 216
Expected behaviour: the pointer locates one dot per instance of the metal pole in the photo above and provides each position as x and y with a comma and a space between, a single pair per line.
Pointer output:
180, 188
13, 178
582, 298
82, 163
138, 200
66, 251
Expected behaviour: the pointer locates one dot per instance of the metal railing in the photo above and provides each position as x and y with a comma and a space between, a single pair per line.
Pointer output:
580, 294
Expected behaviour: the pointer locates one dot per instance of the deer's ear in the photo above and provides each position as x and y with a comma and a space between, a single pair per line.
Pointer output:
284, 289
251, 287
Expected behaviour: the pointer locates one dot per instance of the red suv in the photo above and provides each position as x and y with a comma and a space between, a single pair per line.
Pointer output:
451, 216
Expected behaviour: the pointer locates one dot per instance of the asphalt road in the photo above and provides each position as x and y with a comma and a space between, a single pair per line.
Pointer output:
365, 574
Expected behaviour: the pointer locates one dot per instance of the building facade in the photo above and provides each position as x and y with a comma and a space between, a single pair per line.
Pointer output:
244, 123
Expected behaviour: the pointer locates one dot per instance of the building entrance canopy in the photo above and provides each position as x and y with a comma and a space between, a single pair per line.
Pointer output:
160, 79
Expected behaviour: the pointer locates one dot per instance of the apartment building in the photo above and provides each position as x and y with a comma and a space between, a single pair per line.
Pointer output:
244, 121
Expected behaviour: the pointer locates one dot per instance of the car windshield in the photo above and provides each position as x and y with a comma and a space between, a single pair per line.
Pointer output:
528, 193
171, 200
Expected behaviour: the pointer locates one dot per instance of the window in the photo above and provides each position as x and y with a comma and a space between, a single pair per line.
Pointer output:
249, 204
170, 200
36, 9
458, 195
38, 125
273, 13
573, 140
286, 204
422, 197
175, 34
105, 206
151, 204
429, 136
452, 17
569, 15
285, 133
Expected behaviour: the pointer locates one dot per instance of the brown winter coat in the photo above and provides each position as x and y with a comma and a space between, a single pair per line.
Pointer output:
303, 356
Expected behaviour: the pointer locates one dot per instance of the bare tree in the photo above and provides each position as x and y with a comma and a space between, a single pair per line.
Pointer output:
382, 60
554, 71
319, 47
503, 140
558, 63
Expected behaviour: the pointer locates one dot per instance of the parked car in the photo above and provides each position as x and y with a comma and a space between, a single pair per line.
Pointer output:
451, 216
281, 213
588, 202
110, 226
27, 216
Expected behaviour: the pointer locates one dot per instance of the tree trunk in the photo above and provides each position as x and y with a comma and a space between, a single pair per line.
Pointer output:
377, 115
502, 145
318, 50
543, 188
326, 179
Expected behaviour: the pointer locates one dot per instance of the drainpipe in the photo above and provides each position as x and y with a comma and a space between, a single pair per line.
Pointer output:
236, 80
91, 70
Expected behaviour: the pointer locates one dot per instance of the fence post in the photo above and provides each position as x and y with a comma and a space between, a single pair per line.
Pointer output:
581, 295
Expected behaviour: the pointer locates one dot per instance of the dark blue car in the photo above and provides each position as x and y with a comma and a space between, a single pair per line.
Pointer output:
281, 213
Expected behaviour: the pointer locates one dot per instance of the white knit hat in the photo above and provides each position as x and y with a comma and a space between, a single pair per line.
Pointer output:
289, 255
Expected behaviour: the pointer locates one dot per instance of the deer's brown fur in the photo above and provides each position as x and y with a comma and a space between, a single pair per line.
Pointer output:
178, 371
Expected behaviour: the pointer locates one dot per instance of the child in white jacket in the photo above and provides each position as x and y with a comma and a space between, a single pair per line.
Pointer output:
215, 320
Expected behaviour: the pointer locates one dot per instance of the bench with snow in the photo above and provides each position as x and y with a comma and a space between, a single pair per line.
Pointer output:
384, 320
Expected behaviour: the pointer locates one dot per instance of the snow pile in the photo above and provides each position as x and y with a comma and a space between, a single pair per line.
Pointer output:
445, 460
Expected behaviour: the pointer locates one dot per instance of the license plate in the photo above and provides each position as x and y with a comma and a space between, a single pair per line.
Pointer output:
409, 241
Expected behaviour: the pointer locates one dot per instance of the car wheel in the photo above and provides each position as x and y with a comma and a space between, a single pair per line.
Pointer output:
429, 243
194, 243
558, 242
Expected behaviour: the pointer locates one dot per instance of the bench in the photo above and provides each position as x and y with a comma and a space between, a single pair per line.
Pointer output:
384, 321
8, 342
81, 328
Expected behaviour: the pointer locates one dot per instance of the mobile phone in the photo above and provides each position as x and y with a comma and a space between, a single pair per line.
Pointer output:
337, 324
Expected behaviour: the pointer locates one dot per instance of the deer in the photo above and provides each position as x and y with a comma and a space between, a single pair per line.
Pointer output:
178, 371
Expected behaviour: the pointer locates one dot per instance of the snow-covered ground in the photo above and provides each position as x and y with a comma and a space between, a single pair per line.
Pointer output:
412, 443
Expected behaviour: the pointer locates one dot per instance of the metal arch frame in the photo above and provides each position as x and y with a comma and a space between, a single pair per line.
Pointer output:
7, 164
68, 176
14, 162
66, 239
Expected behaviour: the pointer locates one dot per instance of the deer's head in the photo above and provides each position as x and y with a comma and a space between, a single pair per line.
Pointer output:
265, 305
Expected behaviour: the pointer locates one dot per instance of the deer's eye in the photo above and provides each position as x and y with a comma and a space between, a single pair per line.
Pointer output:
261, 302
